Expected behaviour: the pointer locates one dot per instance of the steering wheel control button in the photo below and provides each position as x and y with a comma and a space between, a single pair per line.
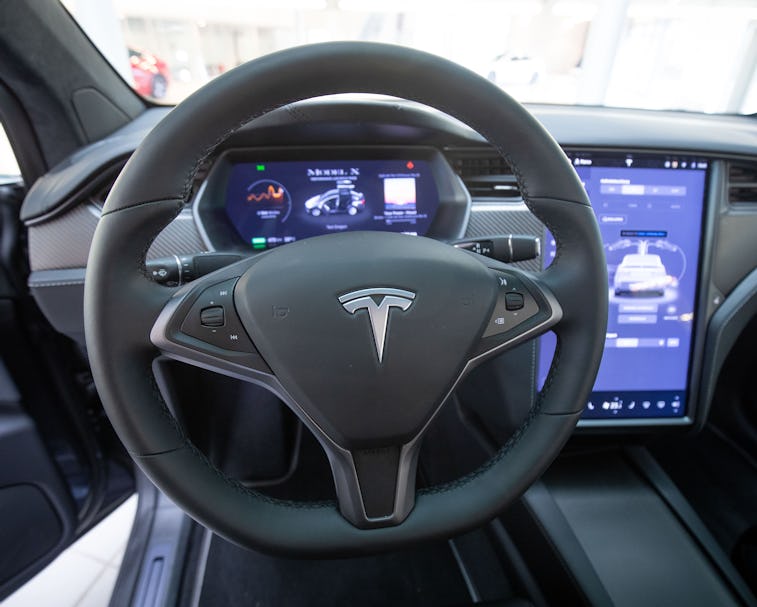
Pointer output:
514, 305
213, 319
514, 301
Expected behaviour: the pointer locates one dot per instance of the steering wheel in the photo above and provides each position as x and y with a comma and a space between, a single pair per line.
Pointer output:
363, 335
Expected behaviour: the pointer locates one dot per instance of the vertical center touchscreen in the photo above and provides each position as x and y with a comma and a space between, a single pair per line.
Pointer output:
649, 211
273, 203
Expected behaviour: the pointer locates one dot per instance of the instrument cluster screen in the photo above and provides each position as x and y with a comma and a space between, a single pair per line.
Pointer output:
274, 203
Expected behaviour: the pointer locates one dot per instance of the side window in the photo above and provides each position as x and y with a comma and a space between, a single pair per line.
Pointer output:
9, 170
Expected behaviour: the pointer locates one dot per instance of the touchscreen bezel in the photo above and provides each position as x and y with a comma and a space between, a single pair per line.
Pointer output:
450, 220
695, 410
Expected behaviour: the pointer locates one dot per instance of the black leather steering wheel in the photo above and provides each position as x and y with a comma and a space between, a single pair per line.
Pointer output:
364, 348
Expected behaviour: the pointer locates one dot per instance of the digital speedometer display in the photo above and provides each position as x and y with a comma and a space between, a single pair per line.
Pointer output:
274, 203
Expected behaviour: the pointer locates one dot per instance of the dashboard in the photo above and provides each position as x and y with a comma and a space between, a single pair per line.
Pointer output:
649, 208
678, 245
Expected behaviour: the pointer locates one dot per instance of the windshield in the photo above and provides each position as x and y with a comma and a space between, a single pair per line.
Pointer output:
695, 55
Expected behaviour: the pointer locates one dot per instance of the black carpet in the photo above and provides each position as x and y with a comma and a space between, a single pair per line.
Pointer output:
426, 575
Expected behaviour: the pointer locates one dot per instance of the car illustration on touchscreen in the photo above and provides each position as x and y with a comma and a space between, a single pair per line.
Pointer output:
641, 276
336, 200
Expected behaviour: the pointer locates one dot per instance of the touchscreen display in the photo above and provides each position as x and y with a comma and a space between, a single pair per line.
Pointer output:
650, 212
273, 203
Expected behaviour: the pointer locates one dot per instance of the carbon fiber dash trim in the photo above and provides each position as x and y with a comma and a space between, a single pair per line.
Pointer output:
490, 219
64, 241
180, 237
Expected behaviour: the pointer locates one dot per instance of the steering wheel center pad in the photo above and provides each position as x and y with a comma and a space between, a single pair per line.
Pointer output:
325, 351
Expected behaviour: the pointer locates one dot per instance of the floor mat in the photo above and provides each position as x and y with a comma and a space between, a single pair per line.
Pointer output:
422, 576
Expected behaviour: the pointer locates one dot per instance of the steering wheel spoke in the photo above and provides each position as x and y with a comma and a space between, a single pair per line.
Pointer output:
376, 485
200, 326
525, 308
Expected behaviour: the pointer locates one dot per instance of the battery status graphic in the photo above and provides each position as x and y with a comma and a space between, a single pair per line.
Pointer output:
259, 242
260, 167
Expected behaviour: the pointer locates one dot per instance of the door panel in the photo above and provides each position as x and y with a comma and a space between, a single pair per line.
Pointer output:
59, 468
37, 515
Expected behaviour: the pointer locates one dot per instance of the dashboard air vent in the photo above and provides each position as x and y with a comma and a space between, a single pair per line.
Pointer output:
742, 183
486, 175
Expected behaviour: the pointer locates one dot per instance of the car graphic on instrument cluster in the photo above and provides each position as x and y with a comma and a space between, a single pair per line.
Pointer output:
336, 200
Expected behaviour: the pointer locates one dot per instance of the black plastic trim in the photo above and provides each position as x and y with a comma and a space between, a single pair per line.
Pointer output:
53, 192
60, 296
656, 476
545, 512
606, 502
101, 179
727, 323
18, 435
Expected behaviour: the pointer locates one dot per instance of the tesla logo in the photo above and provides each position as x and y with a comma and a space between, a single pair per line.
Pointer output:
378, 313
